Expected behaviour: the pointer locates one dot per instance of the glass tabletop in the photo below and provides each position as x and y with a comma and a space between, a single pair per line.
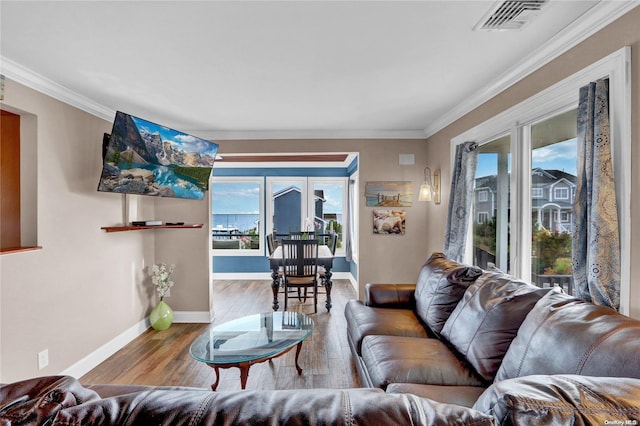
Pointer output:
252, 337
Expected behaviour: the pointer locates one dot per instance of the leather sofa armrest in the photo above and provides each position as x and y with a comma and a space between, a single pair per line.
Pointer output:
387, 295
562, 399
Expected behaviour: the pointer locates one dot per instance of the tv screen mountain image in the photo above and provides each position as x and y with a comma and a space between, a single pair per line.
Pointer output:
146, 158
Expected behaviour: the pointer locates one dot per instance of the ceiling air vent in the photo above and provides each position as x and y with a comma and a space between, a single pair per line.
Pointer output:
510, 15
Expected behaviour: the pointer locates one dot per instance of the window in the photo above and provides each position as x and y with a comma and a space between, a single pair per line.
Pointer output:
329, 201
490, 234
529, 235
236, 212
482, 196
536, 192
293, 200
287, 208
561, 193
553, 158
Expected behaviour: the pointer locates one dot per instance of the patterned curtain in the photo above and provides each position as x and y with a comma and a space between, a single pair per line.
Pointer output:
596, 240
460, 200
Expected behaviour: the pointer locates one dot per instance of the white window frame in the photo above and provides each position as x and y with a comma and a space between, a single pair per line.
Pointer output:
239, 179
311, 181
353, 231
558, 98
537, 192
483, 196
561, 193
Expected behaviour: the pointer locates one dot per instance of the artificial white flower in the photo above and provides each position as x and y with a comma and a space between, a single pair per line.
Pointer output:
160, 278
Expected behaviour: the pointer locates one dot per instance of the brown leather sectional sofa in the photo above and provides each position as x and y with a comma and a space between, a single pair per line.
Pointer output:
462, 346
484, 340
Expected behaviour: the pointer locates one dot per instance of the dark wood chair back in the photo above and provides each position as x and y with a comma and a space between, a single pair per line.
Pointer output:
300, 268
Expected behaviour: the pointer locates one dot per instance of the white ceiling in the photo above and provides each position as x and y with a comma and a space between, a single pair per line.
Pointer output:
230, 69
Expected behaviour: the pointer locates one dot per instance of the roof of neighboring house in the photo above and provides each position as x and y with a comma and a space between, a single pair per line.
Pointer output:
542, 177
286, 191
539, 178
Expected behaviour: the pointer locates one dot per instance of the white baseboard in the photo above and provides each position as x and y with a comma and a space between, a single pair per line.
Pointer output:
267, 276
92, 360
193, 316
101, 354
241, 276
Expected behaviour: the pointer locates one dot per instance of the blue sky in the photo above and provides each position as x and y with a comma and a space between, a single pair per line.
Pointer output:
559, 156
236, 198
242, 198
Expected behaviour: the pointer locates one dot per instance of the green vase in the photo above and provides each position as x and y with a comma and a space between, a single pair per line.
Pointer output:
161, 316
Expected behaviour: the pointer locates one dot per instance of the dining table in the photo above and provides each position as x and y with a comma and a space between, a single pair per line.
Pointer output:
325, 259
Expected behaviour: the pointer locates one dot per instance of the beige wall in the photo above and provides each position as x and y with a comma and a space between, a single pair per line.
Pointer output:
623, 32
382, 258
85, 287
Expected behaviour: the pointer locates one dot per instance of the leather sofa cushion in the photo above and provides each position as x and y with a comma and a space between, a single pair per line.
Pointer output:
565, 335
390, 295
62, 401
440, 286
364, 321
562, 400
465, 396
487, 319
395, 359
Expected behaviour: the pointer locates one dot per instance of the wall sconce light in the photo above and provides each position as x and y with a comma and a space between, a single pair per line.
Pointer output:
430, 188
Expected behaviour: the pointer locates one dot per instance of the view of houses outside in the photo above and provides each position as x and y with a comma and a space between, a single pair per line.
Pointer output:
236, 212
553, 184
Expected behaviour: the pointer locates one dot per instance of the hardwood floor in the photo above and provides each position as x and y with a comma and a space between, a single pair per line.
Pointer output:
162, 357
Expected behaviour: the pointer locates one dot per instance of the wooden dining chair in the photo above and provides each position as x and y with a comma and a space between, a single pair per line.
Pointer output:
300, 269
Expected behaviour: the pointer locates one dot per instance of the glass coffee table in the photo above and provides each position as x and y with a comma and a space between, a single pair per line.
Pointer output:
250, 340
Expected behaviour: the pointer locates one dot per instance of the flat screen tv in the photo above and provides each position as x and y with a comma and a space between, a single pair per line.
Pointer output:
144, 158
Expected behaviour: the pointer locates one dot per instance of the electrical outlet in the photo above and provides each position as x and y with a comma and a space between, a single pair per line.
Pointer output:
43, 359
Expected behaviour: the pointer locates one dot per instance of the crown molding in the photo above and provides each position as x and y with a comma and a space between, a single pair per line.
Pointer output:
25, 76
588, 24
307, 134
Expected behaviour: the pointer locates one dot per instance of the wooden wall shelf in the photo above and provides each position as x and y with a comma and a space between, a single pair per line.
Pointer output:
141, 228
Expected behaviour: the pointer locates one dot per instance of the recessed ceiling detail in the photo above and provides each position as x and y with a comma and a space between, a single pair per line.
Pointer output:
318, 158
510, 15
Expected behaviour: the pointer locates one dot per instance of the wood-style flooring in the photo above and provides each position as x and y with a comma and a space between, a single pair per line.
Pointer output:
162, 357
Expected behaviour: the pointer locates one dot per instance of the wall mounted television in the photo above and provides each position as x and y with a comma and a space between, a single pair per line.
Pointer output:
145, 158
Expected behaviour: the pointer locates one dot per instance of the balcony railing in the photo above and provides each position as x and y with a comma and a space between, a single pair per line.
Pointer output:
565, 282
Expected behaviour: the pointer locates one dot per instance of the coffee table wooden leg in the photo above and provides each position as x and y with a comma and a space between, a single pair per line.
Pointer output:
215, 385
244, 374
298, 347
